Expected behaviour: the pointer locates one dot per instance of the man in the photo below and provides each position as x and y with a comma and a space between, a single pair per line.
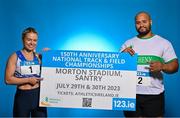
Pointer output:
155, 55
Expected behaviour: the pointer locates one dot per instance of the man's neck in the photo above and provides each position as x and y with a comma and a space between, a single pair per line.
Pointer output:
149, 35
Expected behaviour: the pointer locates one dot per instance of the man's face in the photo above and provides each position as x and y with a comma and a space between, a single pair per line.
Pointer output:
143, 24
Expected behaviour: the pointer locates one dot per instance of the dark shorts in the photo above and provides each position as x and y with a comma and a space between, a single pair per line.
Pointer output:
26, 104
148, 106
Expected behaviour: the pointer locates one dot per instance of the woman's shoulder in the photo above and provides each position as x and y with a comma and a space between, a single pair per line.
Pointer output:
12, 57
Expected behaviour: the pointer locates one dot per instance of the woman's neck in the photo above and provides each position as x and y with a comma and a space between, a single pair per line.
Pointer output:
28, 54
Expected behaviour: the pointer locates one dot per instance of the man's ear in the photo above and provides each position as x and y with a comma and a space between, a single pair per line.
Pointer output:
151, 22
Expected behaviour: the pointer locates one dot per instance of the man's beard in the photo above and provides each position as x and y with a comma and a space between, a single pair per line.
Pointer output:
145, 32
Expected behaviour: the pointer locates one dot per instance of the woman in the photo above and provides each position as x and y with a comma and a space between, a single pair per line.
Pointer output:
23, 70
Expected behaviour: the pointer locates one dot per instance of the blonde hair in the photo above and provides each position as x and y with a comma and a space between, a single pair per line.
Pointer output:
28, 30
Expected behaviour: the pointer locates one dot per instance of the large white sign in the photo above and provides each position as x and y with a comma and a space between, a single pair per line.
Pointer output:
88, 79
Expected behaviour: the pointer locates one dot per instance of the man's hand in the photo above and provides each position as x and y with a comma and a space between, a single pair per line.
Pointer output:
46, 49
129, 50
156, 66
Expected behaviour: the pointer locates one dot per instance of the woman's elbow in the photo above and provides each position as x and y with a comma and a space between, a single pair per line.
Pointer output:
7, 81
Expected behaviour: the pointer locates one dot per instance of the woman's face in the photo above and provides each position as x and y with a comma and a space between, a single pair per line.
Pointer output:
30, 41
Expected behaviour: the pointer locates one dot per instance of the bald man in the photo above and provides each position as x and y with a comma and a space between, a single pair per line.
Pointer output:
155, 56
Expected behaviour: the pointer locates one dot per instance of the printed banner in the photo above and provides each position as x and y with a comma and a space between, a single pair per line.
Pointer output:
88, 79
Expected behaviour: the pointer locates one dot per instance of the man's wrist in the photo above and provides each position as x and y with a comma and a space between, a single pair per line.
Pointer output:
163, 67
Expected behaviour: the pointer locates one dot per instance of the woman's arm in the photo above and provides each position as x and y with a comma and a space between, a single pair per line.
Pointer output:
9, 73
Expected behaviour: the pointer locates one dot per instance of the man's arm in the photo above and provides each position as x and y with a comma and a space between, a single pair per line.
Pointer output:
170, 67
129, 50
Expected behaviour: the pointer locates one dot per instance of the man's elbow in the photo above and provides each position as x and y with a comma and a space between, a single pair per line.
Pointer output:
175, 67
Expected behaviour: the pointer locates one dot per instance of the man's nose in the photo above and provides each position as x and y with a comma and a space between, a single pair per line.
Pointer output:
141, 24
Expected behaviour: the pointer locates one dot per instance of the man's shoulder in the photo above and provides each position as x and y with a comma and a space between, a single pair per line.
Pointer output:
132, 39
161, 39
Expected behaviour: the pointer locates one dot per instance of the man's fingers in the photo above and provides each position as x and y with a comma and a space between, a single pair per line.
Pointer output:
131, 51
